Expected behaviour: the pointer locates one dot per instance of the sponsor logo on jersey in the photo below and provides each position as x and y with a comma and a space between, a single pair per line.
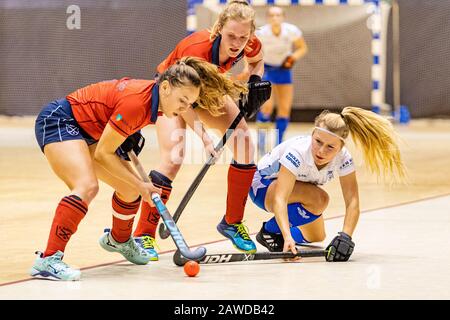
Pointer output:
293, 160
330, 175
346, 164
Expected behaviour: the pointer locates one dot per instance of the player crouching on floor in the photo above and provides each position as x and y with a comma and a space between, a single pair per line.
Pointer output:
288, 178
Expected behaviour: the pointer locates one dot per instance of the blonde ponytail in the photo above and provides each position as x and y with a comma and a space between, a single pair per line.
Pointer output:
373, 134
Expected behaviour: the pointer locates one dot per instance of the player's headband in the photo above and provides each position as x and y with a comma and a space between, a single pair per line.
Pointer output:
329, 132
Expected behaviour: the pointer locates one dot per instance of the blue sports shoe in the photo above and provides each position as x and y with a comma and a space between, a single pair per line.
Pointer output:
148, 244
238, 234
53, 268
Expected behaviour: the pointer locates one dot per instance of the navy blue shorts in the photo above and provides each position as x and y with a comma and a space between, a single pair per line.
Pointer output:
277, 75
56, 123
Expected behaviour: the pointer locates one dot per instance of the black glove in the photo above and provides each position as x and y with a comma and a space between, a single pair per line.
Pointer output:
258, 93
342, 247
134, 142
288, 63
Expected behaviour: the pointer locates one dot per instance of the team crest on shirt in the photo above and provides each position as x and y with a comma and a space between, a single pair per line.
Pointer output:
72, 130
330, 175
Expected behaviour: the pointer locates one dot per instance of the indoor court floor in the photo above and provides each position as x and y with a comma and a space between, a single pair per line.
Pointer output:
401, 240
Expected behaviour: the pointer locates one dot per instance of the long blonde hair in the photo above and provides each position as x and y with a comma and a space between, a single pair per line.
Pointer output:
214, 86
237, 10
372, 133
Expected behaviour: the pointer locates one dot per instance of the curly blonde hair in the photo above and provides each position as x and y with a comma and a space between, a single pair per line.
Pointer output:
214, 86
372, 133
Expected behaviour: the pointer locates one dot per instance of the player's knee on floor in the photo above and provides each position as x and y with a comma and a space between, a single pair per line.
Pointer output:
299, 216
300, 238
316, 237
297, 235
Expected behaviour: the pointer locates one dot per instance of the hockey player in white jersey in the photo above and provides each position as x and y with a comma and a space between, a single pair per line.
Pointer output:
287, 182
283, 45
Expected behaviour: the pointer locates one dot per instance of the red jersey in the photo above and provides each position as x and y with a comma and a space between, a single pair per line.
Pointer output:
126, 104
199, 45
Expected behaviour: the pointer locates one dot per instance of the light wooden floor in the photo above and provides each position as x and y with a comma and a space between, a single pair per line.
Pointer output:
396, 258
29, 192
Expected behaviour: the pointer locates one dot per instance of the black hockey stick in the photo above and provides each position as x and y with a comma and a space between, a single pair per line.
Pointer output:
219, 258
163, 233
177, 237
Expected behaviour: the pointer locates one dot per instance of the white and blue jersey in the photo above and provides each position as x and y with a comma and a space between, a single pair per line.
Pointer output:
276, 49
295, 155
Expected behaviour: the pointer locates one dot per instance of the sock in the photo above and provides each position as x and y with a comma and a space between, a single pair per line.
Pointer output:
272, 226
263, 124
281, 126
297, 235
69, 213
298, 216
240, 177
123, 218
148, 221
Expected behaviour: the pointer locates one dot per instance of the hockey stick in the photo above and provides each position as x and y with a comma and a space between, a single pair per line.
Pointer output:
219, 258
177, 237
163, 233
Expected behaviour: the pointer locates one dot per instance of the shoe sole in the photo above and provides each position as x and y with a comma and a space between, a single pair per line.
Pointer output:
49, 276
244, 251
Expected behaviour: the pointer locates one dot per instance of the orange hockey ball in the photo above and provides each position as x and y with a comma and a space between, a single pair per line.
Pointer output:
191, 268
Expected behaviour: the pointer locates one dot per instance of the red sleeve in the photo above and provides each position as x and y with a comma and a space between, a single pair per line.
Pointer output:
128, 116
253, 47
